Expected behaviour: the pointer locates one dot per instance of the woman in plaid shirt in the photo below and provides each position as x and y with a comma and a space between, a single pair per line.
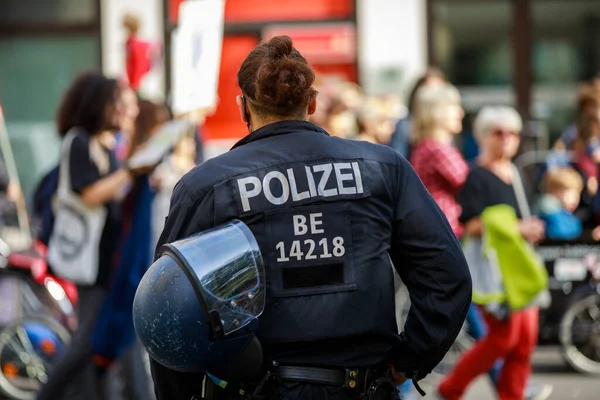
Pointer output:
438, 163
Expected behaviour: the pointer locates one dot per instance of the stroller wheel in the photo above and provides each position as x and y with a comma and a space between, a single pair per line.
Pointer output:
28, 348
580, 335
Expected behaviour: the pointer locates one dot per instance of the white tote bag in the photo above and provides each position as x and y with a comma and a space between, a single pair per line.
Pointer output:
73, 250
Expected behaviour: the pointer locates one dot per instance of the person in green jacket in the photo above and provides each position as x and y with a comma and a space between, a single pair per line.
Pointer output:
492, 206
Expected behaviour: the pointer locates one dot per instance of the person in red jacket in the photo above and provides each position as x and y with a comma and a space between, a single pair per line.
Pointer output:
138, 52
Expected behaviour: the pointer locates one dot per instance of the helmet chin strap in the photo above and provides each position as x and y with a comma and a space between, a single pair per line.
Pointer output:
246, 113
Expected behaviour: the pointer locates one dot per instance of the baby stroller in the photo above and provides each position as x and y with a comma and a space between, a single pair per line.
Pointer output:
573, 317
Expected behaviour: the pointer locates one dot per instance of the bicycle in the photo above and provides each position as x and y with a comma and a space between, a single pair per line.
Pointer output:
38, 320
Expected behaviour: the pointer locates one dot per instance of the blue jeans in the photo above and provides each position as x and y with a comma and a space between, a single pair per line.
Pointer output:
477, 330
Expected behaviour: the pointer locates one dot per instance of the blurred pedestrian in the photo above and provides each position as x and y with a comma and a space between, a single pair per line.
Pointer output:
149, 120
342, 106
113, 338
587, 91
373, 123
129, 115
89, 115
138, 52
586, 146
343, 124
511, 334
441, 167
401, 139
166, 176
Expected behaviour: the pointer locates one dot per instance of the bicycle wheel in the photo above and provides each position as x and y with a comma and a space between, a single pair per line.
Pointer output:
580, 335
28, 348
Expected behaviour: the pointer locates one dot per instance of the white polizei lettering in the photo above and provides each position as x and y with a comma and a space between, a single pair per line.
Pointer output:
285, 192
326, 169
343, 177
357, 177
294, 187
345, 172
245, 193
314, 222
300, 227
311, 182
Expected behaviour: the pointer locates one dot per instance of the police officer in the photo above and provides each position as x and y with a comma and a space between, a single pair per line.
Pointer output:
331, 218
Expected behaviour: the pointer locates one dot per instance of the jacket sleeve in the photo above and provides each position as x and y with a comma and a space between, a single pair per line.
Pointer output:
431, 263
187, 215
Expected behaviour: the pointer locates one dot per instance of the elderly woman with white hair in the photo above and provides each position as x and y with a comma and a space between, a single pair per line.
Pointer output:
437, 119
494, 181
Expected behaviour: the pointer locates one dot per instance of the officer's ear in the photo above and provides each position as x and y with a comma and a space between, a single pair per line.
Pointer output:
312, 105
242, 107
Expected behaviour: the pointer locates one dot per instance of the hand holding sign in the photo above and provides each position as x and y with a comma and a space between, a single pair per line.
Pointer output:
160, 145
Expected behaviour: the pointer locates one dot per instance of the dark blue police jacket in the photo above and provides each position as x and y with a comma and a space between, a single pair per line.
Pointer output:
332, 218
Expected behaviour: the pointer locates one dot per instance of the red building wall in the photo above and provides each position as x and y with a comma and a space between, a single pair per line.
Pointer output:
331, 49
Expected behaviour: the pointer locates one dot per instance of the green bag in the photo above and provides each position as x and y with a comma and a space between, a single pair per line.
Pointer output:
524, 276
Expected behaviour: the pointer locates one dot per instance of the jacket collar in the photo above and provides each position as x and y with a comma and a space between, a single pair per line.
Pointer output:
279, 128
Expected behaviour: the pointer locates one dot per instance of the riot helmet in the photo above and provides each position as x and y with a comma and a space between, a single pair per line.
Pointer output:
197, 307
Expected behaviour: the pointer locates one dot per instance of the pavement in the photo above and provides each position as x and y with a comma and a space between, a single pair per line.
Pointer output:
548, 368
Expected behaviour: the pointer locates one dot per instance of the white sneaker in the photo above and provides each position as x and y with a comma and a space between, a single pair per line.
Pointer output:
538, 391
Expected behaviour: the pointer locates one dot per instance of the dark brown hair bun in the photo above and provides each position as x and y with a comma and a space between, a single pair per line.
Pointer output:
279, 47
276, 79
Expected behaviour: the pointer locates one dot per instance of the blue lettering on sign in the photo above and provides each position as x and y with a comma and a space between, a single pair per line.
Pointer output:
196, 49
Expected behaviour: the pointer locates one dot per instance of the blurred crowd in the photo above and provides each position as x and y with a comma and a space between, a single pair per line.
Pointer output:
108, 123
103, 123
345, 111
481, 197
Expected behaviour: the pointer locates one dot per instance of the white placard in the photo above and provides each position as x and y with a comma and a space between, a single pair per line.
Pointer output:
161, 143
197, 45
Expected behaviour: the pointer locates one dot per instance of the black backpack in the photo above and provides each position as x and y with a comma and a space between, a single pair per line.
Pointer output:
43, 214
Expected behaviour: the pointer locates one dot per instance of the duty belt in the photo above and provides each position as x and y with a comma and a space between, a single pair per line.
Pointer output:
364, 383
355, 379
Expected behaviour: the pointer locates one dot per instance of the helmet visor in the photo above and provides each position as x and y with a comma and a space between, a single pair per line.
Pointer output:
229, 269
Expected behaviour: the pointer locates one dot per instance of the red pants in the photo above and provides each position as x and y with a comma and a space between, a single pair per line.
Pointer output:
513, 341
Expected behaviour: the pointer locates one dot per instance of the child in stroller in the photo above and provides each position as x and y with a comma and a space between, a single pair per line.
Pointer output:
563, 187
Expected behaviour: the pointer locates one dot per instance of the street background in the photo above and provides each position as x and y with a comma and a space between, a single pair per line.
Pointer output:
532, 55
